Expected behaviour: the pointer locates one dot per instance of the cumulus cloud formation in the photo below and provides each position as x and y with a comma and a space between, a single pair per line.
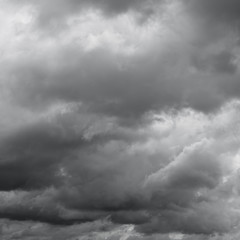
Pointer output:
121, 117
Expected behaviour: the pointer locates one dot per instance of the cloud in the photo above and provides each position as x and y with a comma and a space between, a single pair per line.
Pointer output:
102, 229
222, 62
108, 118
113, 73
215, 20
157, 178
54, 13
195, 167
201, 219
32, 155
219, 11
98, 80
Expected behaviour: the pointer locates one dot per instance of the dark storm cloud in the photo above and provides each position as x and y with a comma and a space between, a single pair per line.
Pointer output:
42, 206
31, 156
102, 82
108, 178
161, 173
98, 80
200, 219
103, 229
129, 86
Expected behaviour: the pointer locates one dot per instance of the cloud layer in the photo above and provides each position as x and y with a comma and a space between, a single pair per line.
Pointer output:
126, 111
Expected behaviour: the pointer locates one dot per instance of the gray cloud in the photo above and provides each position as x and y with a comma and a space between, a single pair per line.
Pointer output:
215, 19
128, 86
222, 62
200, 219
195, 168
107, 178
25, 230
31, 156
98, 80
54, 13
218, 11
122, 122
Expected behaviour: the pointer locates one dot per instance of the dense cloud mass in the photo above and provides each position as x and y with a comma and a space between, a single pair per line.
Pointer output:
119, 119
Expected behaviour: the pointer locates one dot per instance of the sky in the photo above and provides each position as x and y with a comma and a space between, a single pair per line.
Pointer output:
120, 120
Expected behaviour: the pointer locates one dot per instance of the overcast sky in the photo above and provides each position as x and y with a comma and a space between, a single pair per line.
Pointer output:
120, 119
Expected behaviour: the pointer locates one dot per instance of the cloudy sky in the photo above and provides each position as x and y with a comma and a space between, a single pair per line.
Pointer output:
120, 119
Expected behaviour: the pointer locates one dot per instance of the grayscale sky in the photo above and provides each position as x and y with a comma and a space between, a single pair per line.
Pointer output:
120, 119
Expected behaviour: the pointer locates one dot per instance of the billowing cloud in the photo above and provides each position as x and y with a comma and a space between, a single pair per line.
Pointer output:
164, 181
111, 73
128, 130
181, 173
